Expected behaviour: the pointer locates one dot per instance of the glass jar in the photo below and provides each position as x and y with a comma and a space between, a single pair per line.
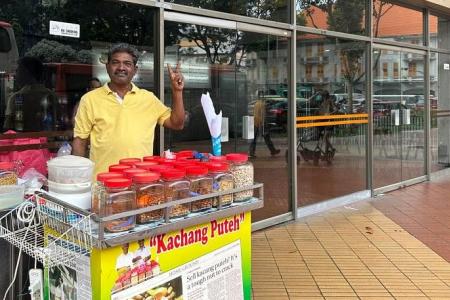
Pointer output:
201, 184
119, 198
149, 191
118, 168
129, 161
176, 187
98, 188
8, 173
242, 171
222, 181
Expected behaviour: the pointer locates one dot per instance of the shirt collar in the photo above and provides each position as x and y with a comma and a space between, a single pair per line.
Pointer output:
134, 89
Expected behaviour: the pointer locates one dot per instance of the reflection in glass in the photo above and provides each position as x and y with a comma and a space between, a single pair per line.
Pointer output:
397, 23
440, 108
273, 10
439, 32
398, 116
62, 66
331, 152
238, 69
346, 16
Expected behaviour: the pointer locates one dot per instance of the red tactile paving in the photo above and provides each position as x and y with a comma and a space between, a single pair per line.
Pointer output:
424, 211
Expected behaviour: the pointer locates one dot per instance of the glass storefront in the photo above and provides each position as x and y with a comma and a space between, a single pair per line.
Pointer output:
331, 152
397, 23
240, 69
348, 16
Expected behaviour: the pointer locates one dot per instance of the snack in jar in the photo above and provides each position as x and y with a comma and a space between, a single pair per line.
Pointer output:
8, 174
201, 184
149, 191
176, 187
242, 171
98, 189
222, 181
119, 198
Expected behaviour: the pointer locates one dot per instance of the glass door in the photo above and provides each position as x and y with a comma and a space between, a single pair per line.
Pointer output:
398, 116
241, 69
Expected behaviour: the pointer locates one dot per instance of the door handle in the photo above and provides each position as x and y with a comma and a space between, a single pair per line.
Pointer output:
406, 116
395, 117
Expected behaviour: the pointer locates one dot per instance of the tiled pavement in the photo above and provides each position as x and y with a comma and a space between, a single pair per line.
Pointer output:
358, 252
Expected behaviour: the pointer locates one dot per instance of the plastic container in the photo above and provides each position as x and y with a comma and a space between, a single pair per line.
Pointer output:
118, 168
242, 171
69, 188
118, 198
8, 174
99, 188
129, 173
222, 181
129, 161
200, 184
11, 196
149, 191
145, 164
81, 200
220, 158
70, 169
159, 168
176, 187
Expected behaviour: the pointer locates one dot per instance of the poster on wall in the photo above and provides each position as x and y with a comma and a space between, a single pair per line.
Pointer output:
216, 275
204, 261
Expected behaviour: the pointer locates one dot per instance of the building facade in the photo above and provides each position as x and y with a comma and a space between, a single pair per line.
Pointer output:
383, 66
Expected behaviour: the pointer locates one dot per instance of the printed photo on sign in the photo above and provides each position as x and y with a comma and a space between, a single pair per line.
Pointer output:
170, 290
63, 283
135, 266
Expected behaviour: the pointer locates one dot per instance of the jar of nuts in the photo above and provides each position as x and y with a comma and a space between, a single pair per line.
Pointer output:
98, 188
222, 181
201, 184
8, 174
176, 187
149, 191
119, 198
242, 171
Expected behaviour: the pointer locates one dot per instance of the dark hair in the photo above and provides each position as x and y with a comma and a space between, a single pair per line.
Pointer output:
123, 47
33, 68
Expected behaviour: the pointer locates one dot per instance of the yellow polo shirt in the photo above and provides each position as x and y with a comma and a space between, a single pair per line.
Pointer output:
118, 130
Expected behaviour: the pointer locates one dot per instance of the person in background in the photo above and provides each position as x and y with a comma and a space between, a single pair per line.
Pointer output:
327, 107
33, 107
93, 84
261, 127
119, 119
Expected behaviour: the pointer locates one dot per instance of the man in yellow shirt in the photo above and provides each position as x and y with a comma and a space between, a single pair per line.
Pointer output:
120, 118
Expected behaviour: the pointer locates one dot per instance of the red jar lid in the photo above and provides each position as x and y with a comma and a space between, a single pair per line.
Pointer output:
185, 154
196, 170
159, 168
129, 173
145, 164
185, 164
239, 157
173, 174
217, 167
129, 161
6, 165
118, 182
152, 158
108, 175
218, 158
118, 168
146, 177
169, 162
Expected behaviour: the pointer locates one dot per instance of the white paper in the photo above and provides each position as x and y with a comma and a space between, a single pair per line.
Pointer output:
64, 29
214, 120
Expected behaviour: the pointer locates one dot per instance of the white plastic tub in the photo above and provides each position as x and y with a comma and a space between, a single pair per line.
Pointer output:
70, 169
69, 188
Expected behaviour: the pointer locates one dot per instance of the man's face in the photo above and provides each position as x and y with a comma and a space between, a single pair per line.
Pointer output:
141, 244
125, 248
121, 68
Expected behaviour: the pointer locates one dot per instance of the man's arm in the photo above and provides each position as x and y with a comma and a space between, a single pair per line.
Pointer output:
79, 146
176, 119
